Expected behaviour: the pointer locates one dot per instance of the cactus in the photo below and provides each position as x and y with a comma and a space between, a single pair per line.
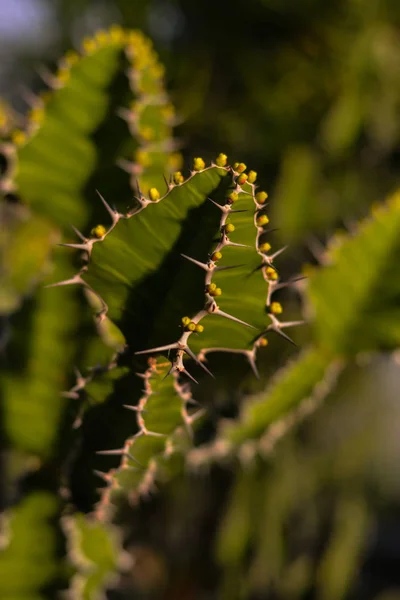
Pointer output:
172, 270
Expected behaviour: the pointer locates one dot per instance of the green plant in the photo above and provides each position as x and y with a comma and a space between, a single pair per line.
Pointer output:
183, 269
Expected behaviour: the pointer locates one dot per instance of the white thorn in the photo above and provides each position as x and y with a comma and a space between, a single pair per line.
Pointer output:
118, 452
113, 213
74, 280
196, 262
188, 375
192, 355
79, 234
229, 243
86, 246
159, 348
277, 253
284, 324
228, 316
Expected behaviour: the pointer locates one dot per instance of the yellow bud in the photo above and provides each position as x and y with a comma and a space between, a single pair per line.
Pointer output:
143, 158
211, 287
154, 194
265, 247
252, 176
198, 164
89, 45
275, 308
199, 328
63, 75
241, 180
116, 33
229, 228
18, 137
216, 256
178, 177
233, 196
218, 292
71, 57
98, 231
147, 133
262, 220
221, 160
240, 167
185, 321
235, 166
263, 342
271, 274
191, 326
261, 197
102, 37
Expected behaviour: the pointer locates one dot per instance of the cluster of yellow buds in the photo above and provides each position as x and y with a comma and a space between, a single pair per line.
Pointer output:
221, 160
271, 274
190, 325
198, 164
262, 220
213, 290
216, 256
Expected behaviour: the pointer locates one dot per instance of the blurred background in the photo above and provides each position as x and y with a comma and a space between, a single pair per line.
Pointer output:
307, 93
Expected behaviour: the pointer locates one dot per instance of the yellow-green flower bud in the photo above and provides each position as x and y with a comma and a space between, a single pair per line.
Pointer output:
98, 231
271, 274
265, 247
218, 292
198, 164
185, 321
229, 228
216, 256
241, 180
221, 160
154, 194
178, 177
261, 197
240, 168
262, 220
199, 328
191, 326
252, 176
211, 287
275, 308
263, 342
233, 196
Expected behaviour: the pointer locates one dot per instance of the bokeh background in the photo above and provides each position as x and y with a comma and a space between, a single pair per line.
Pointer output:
307, 93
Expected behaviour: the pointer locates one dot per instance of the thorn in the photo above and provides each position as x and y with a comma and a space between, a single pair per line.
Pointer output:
284, 284
228, 316
192, 355
252, 361
118, 452
188, 375
155, 434
70, 395
102, 475
217, 205
217, 269
277, 253
159, 348
132, 458
197, 415
74, 280
284, 335
240, 210
196, 262
76, 246
78, 233
229, 243
137, 408
113, 213
291, 323
168, 372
